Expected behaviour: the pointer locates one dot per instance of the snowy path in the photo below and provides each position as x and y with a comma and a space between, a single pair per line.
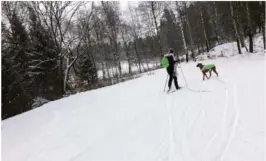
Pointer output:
136, 121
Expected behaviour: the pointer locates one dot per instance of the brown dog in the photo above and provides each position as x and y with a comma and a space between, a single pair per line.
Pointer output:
207, 68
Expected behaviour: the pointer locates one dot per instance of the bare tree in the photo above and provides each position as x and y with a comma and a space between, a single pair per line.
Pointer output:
57, 17
182, 30
204, 30
153, 10
100, 35
216, 20
250, 33
235, 27
239, 23
135, 33
112, 21
124, 30
190, 33
262, 19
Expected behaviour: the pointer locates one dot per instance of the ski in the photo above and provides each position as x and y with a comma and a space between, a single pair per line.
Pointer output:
169, 92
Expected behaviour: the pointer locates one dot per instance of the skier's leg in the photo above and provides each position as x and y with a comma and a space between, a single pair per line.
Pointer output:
176, 83
170, 72
170, 81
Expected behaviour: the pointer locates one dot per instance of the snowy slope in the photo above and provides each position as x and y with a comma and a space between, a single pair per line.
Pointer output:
136, 121
230, 49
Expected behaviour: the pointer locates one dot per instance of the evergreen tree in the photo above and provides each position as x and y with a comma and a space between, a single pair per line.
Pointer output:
43, 60
87, 71
16, 85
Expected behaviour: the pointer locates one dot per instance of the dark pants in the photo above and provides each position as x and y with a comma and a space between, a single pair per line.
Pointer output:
172, 75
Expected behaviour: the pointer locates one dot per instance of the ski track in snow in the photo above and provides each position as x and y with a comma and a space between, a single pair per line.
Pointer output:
170, 128
222, 125
232, 134
202, 110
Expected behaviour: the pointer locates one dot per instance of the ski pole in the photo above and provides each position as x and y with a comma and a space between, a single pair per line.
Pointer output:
165, 83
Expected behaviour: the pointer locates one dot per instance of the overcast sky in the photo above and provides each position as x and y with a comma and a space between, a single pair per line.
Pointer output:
125, 10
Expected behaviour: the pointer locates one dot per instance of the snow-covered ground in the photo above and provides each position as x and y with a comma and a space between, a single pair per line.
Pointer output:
217, 119
230, 49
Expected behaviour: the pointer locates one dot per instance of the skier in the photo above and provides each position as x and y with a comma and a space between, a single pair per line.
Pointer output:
207, 68
168, 62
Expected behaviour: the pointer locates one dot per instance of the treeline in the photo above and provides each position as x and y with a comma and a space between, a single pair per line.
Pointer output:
52, 49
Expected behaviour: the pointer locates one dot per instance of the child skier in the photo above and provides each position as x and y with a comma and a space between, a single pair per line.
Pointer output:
168, 62
207, 68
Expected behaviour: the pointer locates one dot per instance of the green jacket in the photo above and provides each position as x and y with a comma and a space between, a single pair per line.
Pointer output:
165, 62
207, 67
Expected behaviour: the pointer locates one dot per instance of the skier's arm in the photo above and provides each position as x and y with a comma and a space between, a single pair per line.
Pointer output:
177, 61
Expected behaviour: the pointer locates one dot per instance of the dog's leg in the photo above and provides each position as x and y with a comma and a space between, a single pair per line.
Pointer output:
216, 73
214, 70
204, 75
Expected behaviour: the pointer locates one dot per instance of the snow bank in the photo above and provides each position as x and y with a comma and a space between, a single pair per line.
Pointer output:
230, 49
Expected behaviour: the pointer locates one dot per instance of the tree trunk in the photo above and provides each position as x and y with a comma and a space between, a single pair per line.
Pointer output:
153, 51
215, 23
66, 74
91, 54
204, 31
238, 46
189, 30
250, 43
69, 65
250, 34
103, 70
99, 50
207, 46
61, 75
108, 72
65, 78
135, 22
146, 60
235, 28
241, 32
107, 64
129, 63
137, 55
263, 35
199, 50
128, 60
242, 37
203, 49
262, 19
182, 31
126, 51
193, 56
190, 35
117, 61
156, 25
